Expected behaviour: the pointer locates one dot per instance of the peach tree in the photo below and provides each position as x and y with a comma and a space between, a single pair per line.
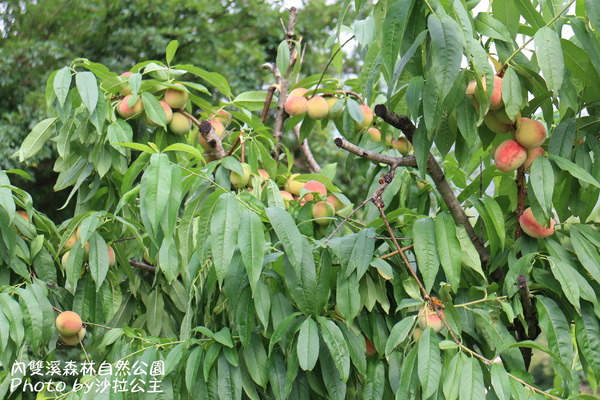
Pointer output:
209, 238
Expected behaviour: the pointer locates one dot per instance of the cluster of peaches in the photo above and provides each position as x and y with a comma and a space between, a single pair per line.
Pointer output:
174, 102
70, 328
527, 135
323, 208
74, 238
524, 146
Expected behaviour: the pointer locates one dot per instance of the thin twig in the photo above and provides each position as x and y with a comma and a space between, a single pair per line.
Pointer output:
313, 165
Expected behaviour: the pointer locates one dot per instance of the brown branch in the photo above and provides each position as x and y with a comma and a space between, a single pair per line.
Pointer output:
521, 195
530, 314
281, 77
313, 165
342, 143
437, 174
141, 265
268, 100
208, 132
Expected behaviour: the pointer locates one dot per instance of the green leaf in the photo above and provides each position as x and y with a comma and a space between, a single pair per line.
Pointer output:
213, 78
168, 262
374, 386
592, 10
531, 15
554, 324
98, 259
62, 84
253, 100
587, 332
586, 253
500, 382
251, 240
171, 50
229, 385
429, 362
561, 141
155, 308
283, 57
88, 89
186, 148
362, 252
575, 170
334, 339
255, 357
541, 179
446, 50
426, 250
348, 303
471, 380
550, 57
288, 234
224, 225
393, 29
506, 12
470, 256
565, 274
308, 344
155, 189
154, 111
36, 139
451, 384
512, 94
449, 248
34, 318
399, 333
407, 389
490, 26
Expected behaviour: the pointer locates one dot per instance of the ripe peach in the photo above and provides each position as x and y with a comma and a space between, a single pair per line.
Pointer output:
367, 117
176, 98
23, 214
495, 124
180, 124
335, 202
322, 213
73, 340
509, 156
530, 133
402, 145
68, 323
127, 112
239, 181
296, 106
370, 349
331, 101
64, 259
298, 92
317, 108
532, 227
532, 154
218, 127
71, 241
429, 317
496, 99
224, 117
292, 185
287, 197
126, 90
374, 134
111, 256
313, 186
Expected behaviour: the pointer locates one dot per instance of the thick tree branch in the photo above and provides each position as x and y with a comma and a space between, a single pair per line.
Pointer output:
213, 140
208, 133
437, 174
530, 314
